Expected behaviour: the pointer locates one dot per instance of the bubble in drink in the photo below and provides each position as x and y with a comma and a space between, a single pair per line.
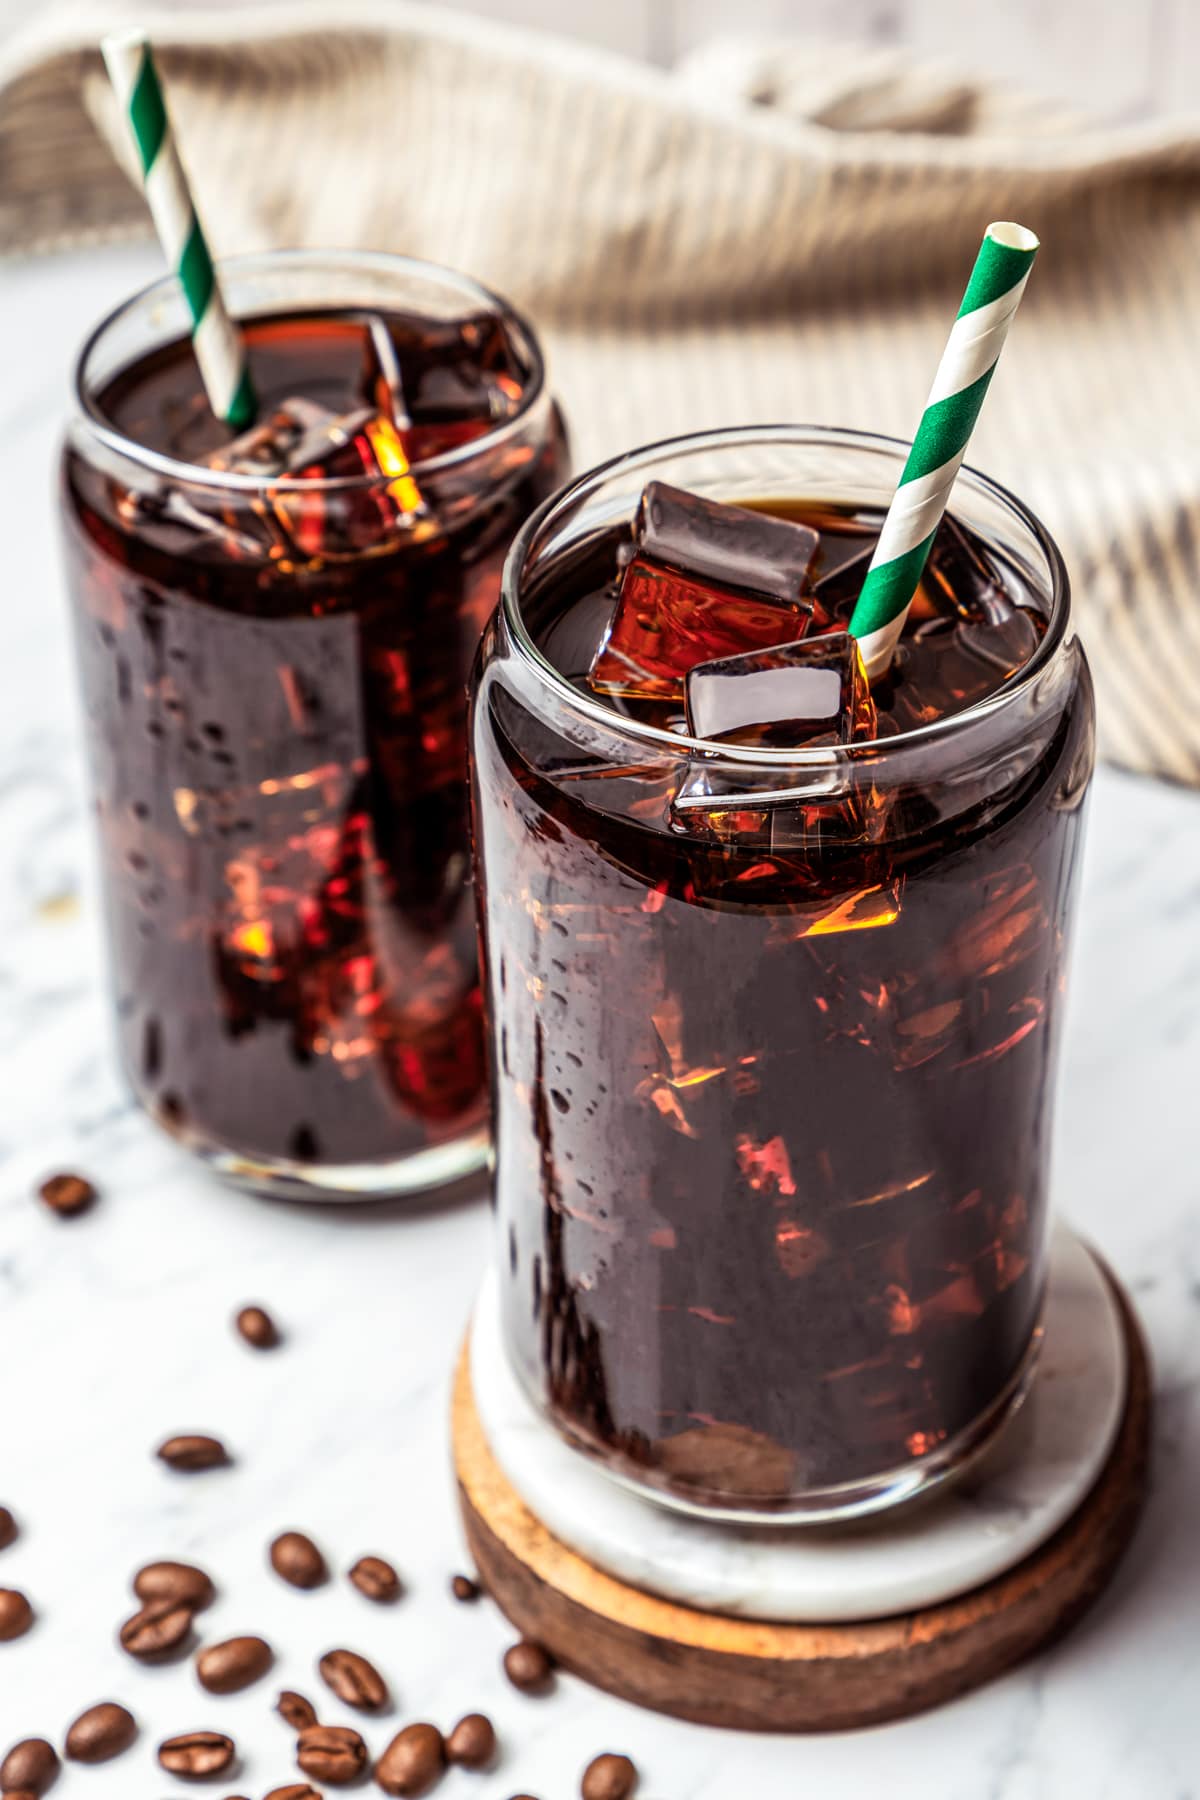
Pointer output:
706, 581
813, 693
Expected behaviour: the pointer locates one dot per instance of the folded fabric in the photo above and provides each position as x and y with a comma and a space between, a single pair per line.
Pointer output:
766, 234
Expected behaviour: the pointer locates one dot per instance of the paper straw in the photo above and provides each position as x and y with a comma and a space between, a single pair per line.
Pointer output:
218, 344
968, 363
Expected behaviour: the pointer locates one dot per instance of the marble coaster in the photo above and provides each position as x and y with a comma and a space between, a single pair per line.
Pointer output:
1031, 1479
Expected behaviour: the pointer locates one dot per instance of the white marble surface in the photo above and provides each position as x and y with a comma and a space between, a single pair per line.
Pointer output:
114, 1327
1031, 1478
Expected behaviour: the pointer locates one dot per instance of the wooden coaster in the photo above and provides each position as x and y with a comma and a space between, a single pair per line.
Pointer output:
770, 1677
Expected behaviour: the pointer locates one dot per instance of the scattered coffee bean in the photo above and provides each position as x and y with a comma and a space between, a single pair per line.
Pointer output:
375, 1578
8, 1528
100, 1732
472, 1742
608, 1777
160, 1626
354, 1680
295, 1710
412, 1761
29, 1766
18, 1794
528, 1666
298, 1560
333, 1753
16, 1614
463, 1588
180, 1583
190, 1453
67, 1194
195, 1754
258, 1327
296, 1790
228, 1667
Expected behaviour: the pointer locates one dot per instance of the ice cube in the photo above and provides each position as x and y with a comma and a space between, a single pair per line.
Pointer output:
705, 581
277, 445
837, 576
812, 693
459, 376
961, 579
383, 378
303, 442
947, 664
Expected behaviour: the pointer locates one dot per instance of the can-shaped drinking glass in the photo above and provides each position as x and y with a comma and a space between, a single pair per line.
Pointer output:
773, 1032
274, 636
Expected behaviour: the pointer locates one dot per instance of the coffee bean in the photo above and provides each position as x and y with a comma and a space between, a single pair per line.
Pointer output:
8, 1528
608, 1777
354, 1680
258, 1327
463, 1588
18, 1794
16, 1614
298, 1560
177, 1582
31, 1765
472, 1742
160, 1626
333, 1753
295, 1710
412, 1761
100, 1732
195, 1754
226, 1668
375, 1578
295, 1790
528, 1666
190, 1453
67, 1194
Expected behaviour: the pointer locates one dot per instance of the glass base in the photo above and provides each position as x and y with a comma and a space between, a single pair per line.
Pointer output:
422, 1172
829, 1505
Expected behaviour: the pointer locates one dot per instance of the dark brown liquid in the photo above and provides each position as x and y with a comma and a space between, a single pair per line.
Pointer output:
772, 1084
278, 740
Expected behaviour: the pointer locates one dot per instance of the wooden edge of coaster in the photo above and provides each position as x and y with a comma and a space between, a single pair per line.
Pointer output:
761, 1676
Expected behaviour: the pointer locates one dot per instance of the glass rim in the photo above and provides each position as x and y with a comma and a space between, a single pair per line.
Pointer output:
596, 712
190, 474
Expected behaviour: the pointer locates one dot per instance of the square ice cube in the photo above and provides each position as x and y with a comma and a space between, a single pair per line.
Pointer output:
704, 581
811, 693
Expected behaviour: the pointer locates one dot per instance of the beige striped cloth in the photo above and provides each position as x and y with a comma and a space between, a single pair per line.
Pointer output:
768, 234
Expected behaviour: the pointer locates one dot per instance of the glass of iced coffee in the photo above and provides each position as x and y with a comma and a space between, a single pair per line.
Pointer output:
774, 968
274, 630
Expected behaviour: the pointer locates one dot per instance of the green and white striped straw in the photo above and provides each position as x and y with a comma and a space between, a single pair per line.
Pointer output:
968, 363
218, 344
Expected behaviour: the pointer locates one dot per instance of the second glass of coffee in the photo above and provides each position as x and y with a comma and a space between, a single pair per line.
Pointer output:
274, 633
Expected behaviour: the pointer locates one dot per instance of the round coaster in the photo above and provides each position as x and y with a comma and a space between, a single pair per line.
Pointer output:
1032, 1477
708, 1665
